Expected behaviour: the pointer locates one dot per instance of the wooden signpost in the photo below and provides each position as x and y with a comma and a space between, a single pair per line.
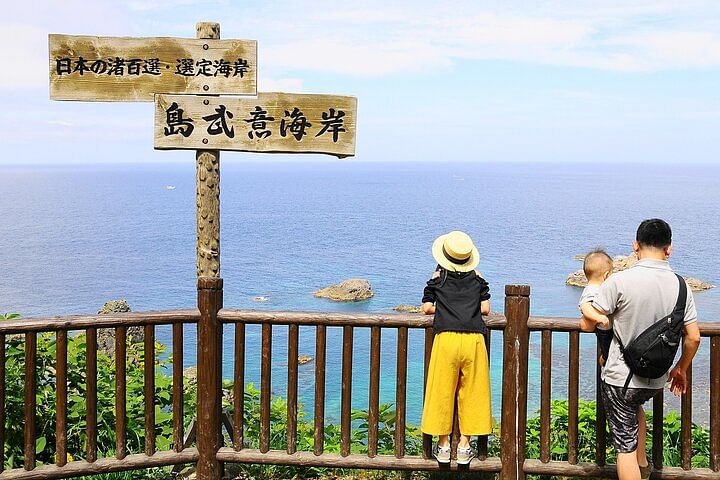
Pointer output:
185, 78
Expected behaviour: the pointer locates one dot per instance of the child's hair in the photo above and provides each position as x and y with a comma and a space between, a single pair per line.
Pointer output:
597, 263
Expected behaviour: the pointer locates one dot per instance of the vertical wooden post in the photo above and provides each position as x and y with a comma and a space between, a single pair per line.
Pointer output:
573, 395
210, 297
30, 387
208, 192
514, 394
61, 398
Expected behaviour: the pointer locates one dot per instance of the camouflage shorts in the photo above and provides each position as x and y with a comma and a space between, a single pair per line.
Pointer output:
622, 413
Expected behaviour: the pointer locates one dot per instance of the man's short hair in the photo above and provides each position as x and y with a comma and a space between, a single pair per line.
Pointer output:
597, 262
654, 233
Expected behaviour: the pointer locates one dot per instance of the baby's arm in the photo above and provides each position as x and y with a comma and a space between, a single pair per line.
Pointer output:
591, 317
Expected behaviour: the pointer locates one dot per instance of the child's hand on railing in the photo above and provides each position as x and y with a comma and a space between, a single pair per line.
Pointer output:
428, 308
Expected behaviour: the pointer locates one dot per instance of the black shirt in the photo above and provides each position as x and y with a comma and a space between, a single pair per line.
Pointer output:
457, 297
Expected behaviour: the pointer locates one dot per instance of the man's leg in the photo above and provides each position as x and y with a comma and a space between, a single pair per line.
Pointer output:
642, 435
627, 423
627, 466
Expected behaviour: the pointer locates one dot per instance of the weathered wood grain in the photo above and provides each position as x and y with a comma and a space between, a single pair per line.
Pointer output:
581, 469
338, 319
196, 122
209, 378
569, 324
89, 68
83, 322
207, 201
102, 465
30, 399
61, 399
380, 462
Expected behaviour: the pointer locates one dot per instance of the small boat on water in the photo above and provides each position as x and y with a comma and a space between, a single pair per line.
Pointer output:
169, 187
261, 298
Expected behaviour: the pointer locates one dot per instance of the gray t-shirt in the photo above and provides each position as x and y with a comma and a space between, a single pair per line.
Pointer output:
588, 295
636, 298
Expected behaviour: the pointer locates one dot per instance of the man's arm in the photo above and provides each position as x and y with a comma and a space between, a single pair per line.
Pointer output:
591, 317
691, 342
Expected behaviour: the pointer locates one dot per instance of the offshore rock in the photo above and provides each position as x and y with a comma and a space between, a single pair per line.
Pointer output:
190, 374
403, 307
106, 336
303, 359
351, 290
623, 262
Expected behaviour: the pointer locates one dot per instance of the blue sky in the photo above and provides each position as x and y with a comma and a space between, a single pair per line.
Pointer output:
557, 80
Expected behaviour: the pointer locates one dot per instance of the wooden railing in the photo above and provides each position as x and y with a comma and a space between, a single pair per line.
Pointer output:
515, 326
349, 323
90, 324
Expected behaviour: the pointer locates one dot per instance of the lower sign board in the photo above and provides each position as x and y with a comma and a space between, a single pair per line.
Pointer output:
126, 69
270, 122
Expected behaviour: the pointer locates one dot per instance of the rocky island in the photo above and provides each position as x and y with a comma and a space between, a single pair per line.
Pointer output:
623, 262
351, 290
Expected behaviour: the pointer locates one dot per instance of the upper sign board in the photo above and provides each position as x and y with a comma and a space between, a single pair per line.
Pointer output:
125, 69
272, 122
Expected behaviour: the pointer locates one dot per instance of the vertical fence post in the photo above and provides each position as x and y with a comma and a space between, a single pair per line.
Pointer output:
514, 394
210, 297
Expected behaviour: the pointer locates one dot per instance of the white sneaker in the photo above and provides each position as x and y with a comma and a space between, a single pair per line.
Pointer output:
464, 455
442, 454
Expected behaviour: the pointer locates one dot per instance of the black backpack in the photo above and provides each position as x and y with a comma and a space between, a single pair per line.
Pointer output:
652, 353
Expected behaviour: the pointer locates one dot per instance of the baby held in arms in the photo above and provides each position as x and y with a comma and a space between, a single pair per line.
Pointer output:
597, 267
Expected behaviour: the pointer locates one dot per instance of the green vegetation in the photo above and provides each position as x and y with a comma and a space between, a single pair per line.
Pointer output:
587, 434
77, 439
76, 412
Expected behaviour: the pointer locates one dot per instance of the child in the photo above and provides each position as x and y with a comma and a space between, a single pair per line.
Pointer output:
597, 267
459, 297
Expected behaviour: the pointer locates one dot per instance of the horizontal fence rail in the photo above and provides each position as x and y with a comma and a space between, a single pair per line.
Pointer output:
61, 330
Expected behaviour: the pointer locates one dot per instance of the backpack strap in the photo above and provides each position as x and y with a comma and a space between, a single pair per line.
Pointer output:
622, 350
682, 298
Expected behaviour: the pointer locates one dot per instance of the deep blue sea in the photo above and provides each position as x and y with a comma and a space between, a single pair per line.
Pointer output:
74, 237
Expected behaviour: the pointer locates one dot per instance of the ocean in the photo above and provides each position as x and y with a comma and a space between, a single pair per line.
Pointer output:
76, 236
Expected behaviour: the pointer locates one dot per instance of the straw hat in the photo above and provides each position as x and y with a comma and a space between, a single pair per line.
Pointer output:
455, 252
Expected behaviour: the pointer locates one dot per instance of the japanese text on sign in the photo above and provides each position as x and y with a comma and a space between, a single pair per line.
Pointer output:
117, 66
274, 122
134, 69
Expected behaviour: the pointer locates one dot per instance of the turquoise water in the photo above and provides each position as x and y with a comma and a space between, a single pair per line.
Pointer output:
76, 236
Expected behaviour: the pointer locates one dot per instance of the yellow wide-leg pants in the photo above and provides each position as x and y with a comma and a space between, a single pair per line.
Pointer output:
458, 363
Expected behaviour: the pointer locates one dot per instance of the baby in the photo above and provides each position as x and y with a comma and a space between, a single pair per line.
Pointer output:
597, 267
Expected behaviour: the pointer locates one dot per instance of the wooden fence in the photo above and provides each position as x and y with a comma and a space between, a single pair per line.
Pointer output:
211, 453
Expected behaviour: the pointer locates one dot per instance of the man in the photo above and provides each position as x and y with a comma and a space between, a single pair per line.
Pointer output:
635, 299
